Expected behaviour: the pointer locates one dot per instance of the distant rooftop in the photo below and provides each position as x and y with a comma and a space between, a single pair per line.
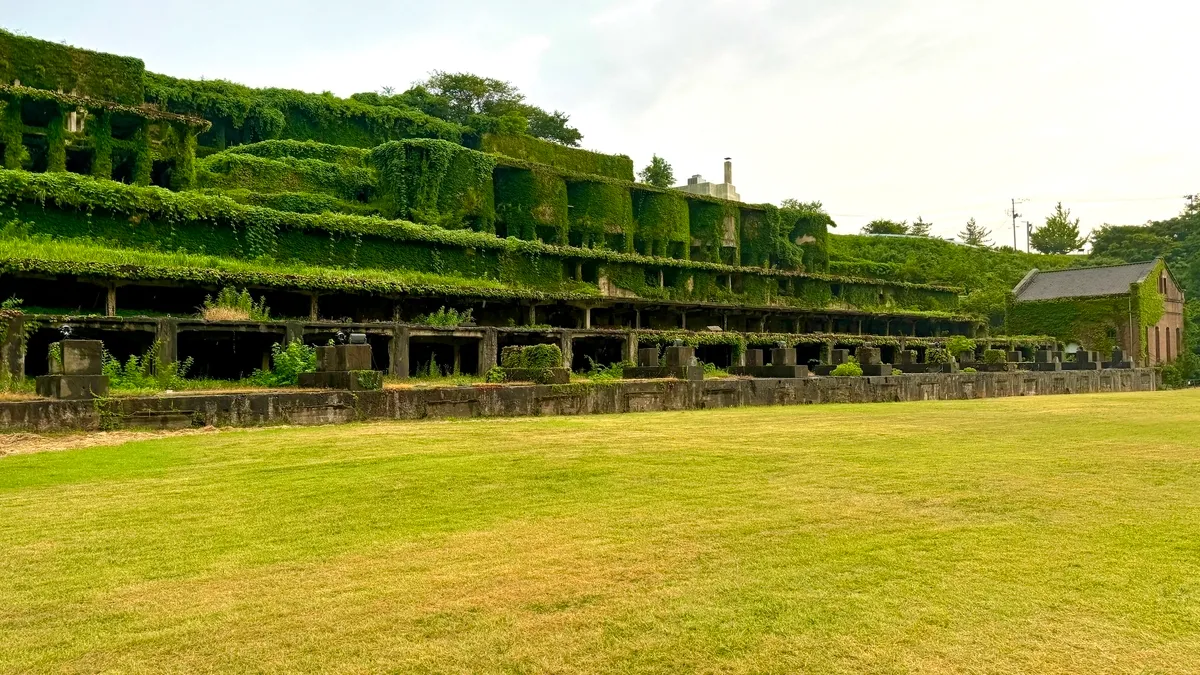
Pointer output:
1082, 282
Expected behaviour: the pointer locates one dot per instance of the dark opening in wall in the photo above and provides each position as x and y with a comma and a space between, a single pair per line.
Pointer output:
522, 339
558, 316
723, 282
226, 355
501, 229
153, 300
350, 307
652, 277
835, 290
125, 127
673, 277
591, 272
677, 250
887, 354
284, 305
160, 172
550, 235
79, 160
51, 296
37, 153
443, 355
122, 165
615, 242
38, 113
602, 351
808, 352
785, 285
720, 356
729, 255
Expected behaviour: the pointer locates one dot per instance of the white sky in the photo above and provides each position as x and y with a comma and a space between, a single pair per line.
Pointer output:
880, 109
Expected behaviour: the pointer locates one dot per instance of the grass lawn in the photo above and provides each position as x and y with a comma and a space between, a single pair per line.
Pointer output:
1048, 534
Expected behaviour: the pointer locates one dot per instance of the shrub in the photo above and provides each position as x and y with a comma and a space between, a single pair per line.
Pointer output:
495, 375
286, 364
995, 357
1172, 377
445, 317
969, 370
959, 344
897, 371
532, 356
233, 305
145, 372
848, 369
613, 371
938, 355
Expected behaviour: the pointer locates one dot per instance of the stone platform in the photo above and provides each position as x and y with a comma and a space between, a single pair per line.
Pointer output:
329, 407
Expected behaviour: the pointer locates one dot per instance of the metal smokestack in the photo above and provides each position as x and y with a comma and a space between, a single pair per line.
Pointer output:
728, 171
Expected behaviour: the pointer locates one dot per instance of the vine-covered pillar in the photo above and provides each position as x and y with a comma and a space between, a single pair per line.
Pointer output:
489, 350
166, 336
184, 174
56, 141
12, 346
567, 345
99, 130
10, 134
398, 352
110, 299
143, 158
630, 347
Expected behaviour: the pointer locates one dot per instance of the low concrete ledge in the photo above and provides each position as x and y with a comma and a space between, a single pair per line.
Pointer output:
331, 407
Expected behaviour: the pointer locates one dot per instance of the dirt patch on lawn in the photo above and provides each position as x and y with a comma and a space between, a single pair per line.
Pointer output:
24, 443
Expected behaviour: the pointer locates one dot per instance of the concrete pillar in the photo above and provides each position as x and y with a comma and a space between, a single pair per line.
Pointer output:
587, 318
532, 314
398, 352
110, 300
762, 324
457, 359
14, 346
566, 344
827, 352
683, 319
887, 327
860, 327
292, 330
630, 347
166, 334
579, 271
828, 325
312, 307
637, 318
489, 350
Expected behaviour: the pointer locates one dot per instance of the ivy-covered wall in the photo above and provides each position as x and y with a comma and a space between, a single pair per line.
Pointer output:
51, 66
279, 149
601, 215
661, 224
259, 174
1096, 323
532, 204
572, 160
715, 231
436, 182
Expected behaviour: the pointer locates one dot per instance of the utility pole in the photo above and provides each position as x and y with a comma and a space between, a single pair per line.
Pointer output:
1013, 212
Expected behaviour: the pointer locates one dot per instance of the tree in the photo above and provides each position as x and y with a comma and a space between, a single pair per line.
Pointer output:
658, 173
975, 234
882, 226
487, 105
920, 228
1060, 234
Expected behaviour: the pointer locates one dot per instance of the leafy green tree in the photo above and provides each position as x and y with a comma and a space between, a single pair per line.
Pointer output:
975, 234
882, 226
1060, 234
487, 104
919, 227
804, 235
658, 173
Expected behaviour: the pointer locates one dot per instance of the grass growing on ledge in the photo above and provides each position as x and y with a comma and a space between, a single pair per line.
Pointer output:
1050, 535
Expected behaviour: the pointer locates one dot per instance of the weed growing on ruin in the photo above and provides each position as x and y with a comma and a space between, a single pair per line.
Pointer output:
148, 371
234, 305
848, 369
287, 362
445, 317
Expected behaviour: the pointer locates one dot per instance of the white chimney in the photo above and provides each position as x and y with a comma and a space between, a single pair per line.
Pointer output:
728, 171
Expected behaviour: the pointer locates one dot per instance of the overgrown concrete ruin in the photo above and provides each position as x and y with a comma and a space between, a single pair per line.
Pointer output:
128, 197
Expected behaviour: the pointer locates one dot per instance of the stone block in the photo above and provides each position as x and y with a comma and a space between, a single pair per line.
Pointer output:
876, 369
754, 358
342, 358
72, 387
772, 371
678, 372
783, 356
681, 357
648, 357
79, 357
1046, 356
1015, 357
869, 356
838, 356
537, 375
351, 380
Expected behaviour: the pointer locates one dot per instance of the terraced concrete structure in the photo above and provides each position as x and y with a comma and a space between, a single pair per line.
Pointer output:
128, 196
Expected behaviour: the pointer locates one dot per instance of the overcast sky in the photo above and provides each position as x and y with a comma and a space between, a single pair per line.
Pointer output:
878, 108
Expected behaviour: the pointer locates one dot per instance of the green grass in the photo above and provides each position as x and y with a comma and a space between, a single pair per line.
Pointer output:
1049, 534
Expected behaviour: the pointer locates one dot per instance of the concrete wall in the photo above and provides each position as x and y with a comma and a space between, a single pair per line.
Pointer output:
328, 407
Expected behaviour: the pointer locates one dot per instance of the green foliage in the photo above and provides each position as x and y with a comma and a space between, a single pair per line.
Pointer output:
882, 226
611, 372
532, 357
661, 224
969, 370
233, 170
958, 344
658, 173
56, 67
598, 211
494, 375
287, 362
714, 224
558, 156
848, 369
995, 357
1060, 234
288, 149
241, 114
444, 317
975, 234
147, 372
300, 202
232, 303
805, 229
939, 355
436, 183
919, 228
532, 204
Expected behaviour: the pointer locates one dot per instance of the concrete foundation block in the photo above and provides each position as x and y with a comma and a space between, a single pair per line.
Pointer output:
350, 380
73, 387
661, 372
